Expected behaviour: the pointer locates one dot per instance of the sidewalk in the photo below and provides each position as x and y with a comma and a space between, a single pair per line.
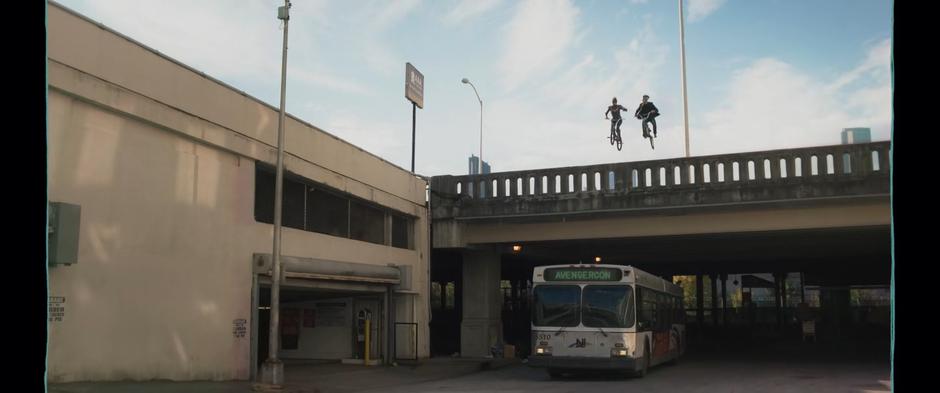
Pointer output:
308, 377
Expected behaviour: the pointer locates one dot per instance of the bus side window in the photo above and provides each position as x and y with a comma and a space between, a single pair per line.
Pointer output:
680, 316
666, 311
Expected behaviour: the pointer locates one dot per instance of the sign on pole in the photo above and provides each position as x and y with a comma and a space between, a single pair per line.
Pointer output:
414, 85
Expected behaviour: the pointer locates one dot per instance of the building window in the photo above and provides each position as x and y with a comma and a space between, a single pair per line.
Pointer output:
366, 223
312, 207
401, 229
436, 296
264, 195
294, 204
327, 213
449, 294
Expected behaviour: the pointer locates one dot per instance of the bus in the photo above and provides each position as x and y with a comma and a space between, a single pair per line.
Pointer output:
604, 317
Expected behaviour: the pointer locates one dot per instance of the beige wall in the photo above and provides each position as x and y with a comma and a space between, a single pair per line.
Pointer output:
161, 160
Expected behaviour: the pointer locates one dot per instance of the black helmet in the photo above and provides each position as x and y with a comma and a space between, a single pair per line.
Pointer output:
615, 100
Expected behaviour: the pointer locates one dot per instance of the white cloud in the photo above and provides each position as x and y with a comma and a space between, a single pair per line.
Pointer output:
699, 9
773, 105
468, 9
875, 65
197, 34
227, 41
392, 13
537, 38
369, 37
631, 73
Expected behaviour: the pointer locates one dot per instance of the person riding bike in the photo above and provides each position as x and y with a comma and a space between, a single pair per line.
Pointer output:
647, 112
615, 122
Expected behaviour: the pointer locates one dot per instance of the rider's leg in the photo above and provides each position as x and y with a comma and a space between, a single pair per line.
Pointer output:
619, 122
643, 126
653, 121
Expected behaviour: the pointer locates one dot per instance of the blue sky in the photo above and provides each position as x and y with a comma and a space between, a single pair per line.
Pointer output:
762, 74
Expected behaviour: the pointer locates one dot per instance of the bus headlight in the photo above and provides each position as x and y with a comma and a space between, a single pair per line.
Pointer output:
618, 352
543, 350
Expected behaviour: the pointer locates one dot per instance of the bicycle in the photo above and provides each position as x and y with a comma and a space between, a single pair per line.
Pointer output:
646, 128
615, 135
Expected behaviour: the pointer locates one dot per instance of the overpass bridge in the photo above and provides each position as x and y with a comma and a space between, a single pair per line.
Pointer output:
820, 212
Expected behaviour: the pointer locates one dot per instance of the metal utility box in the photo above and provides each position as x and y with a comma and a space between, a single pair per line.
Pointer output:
64, 224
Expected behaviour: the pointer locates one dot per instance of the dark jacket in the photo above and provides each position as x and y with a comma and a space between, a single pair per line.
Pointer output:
643, 109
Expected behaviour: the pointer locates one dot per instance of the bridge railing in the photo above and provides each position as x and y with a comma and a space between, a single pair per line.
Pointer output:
787, 166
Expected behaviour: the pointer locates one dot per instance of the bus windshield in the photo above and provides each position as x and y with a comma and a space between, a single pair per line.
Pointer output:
608, 306
557, 305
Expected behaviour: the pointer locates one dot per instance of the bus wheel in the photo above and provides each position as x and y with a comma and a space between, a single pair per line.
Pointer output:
646, 362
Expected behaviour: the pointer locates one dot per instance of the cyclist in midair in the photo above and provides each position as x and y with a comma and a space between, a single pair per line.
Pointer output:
614, 110
648, 113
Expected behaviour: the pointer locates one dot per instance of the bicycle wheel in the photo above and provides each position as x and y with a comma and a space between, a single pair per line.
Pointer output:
619, 144
651, 142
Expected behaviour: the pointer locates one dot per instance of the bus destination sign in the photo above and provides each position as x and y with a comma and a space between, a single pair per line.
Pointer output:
583, 274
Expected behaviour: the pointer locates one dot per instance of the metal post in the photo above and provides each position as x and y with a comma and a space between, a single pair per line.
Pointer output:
367, 348
467, 81
414, 109
389, 327
802, 288
481, 132
273, 370
685, 97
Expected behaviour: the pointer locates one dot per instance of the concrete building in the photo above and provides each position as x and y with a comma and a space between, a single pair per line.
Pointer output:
173, 173
856, 135
473, 166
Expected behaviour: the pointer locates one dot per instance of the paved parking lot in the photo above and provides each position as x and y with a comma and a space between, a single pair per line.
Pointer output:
694, 374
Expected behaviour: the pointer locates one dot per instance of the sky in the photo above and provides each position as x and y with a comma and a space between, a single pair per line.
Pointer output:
761, 74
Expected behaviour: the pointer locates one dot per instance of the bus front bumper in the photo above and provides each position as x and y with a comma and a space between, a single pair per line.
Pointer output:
582, 363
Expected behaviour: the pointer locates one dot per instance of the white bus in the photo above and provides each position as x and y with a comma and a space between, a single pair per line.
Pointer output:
604, 317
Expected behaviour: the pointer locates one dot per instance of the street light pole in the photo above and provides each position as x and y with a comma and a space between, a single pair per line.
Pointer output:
273, 369
685, 97
467, 81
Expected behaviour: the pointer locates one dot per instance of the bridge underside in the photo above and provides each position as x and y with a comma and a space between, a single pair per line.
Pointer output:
490, 281
831, 256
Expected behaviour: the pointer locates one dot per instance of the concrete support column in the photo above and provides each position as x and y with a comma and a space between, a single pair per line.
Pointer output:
481, 326
724, 299
835, 305
714, 281
700, 300
778, 282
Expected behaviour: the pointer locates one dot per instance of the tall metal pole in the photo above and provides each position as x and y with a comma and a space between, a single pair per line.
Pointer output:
480, 164
685, 97
414, 109
273, 370
481, 132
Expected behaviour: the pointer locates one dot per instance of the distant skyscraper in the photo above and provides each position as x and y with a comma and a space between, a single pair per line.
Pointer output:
474, 166
856, 135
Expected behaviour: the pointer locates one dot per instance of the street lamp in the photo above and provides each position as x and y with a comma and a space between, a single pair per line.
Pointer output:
467, 81
273, 369
685, 94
